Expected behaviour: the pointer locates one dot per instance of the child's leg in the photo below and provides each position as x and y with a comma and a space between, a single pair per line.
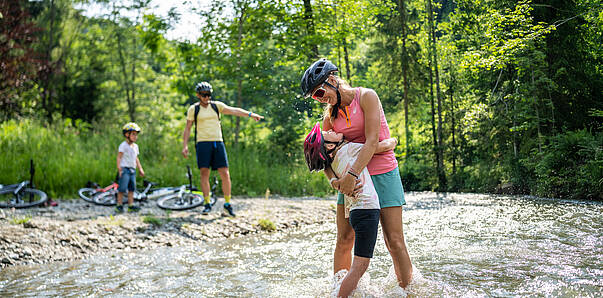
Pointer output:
350, 282
365, 223
120, 196
130, 198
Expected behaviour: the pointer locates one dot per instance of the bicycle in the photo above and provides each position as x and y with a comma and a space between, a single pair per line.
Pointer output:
20, 195
109, 198
92, 189
187, 196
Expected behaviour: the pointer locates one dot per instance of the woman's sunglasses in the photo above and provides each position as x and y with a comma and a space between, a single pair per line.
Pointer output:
205, 94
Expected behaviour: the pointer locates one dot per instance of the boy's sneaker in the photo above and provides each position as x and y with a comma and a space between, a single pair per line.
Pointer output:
119, 208
207, 209
133, 208
228, 208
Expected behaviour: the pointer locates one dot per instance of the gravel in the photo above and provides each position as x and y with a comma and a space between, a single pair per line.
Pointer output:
76, 229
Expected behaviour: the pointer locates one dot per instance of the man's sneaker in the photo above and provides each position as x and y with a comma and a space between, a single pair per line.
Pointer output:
228, 208
132, 208
119, 208
207, 209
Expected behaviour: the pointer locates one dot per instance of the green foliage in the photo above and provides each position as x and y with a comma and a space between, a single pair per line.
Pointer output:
519, 83
20, 220
266, 225
69, 154
150, 219
570, 166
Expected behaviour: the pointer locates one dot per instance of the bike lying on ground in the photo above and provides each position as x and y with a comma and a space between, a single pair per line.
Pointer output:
186, 196
20, 195
92, 189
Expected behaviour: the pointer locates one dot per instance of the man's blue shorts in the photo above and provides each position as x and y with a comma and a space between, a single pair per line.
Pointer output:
389, 188
211, 154
127, 181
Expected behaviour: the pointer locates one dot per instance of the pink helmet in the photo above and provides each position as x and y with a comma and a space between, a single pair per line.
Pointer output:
314, 150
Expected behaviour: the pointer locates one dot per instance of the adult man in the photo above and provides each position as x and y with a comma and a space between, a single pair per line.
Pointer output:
209, 143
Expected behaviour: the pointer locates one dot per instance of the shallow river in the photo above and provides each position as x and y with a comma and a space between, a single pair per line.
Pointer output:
461, 245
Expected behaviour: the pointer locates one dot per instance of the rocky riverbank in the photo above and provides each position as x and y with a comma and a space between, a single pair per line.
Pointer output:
76, 229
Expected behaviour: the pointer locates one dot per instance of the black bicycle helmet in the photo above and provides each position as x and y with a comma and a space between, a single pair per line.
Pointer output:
203, 87
316, 74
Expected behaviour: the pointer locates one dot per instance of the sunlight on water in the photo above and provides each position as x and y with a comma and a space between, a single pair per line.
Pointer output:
461, 245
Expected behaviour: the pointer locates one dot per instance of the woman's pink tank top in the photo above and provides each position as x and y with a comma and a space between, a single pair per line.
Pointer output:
352, 127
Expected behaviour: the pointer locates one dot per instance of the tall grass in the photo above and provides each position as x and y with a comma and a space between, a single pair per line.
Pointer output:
68, 155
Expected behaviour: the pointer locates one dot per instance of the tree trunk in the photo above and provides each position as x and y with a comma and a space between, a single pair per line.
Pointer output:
239, 80
537, 117
313, 55
433, 126
122, 62
453, 129
132, 107
434, 52
338, 41
347, 60
402, 9
48, 69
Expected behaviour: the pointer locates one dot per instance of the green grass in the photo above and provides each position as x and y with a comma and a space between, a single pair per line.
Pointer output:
266, 225
20, 220
150, 219
67, 155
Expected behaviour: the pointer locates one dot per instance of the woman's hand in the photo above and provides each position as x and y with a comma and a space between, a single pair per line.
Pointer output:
348, 185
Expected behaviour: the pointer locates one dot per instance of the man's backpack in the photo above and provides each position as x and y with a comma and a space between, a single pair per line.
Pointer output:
197, 108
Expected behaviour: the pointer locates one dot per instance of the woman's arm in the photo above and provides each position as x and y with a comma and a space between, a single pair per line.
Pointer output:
369, 102
386, 145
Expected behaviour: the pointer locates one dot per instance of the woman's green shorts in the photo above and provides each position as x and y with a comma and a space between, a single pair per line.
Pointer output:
389, 188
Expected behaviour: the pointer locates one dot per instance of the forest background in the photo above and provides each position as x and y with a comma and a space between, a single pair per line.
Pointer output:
483, 95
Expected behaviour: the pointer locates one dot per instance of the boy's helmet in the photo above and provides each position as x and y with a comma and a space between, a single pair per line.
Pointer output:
203, 86
314, 150
316, 74
130, 127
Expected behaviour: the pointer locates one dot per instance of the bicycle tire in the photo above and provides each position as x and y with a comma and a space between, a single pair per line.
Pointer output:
9, 200
174, 202
108, 198
87, 194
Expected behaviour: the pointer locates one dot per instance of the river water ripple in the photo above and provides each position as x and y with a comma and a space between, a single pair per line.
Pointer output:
461, 245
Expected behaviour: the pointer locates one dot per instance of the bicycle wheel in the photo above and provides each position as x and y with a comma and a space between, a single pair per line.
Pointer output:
108, 198
87, 194
27, 197
177, 202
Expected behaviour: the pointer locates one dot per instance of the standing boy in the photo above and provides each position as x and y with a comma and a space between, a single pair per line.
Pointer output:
127, 162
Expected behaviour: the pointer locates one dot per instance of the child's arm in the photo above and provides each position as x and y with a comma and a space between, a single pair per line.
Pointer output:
386, 145
119, 155
139, 166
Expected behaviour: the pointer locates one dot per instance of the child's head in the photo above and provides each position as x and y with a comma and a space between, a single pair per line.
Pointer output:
318, 147
130, 131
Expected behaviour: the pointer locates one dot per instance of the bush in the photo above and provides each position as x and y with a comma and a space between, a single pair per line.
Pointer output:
570, 166
67, 155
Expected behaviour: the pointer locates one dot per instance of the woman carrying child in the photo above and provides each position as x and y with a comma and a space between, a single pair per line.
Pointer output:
328, 149
357, 114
